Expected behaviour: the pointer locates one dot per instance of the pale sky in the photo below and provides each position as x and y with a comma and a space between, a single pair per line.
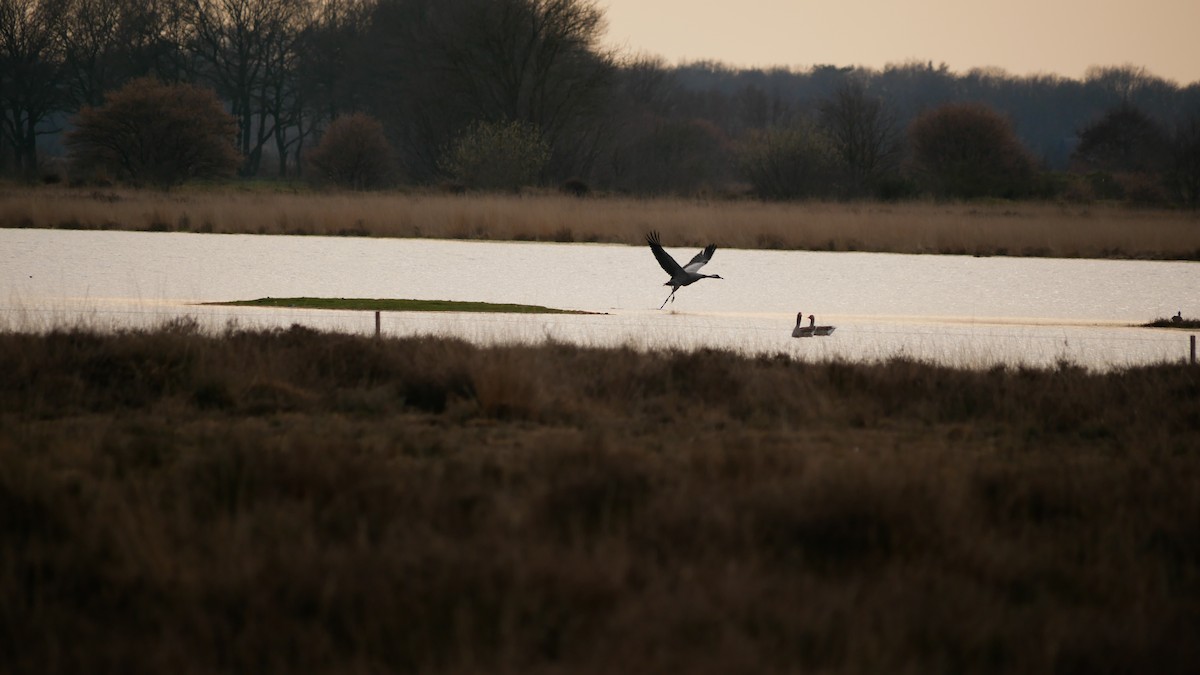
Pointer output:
1063, 37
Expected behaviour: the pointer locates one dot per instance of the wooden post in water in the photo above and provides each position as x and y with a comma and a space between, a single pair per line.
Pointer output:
1193, 341
377, 327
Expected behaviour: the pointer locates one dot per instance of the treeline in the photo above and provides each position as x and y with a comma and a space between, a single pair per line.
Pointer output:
447, 89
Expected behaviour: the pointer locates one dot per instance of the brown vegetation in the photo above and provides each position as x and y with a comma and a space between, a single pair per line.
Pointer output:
1032, 229
151, 133
294, 501
788, 162
968, 151
353, 153
497, 156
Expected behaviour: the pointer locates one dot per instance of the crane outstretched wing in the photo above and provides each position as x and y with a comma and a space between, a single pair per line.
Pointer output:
701, 258
664, 259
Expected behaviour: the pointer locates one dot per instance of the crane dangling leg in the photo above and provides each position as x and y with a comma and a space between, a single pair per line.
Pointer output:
669, 297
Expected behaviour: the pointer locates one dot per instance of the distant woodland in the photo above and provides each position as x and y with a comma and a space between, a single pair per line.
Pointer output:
506, 94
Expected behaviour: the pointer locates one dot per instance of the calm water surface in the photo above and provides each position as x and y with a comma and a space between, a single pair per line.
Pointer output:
952, 309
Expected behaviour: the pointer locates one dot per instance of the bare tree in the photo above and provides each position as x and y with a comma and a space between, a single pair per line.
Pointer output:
1123, 82
652, 144
105, 43
645, 82
88, 33
159, 36
864, 135
445, 64
760, 110
333, 58
243, 46
521, 59
30, 76
280, 98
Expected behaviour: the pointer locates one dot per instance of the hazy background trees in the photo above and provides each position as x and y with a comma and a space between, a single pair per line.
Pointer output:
431, 70
439, 66
863, 132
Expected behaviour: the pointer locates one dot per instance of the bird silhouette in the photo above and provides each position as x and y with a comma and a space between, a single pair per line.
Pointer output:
819, 330
680, 275
812, 329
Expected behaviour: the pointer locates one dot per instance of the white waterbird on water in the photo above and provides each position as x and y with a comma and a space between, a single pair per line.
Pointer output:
680, 276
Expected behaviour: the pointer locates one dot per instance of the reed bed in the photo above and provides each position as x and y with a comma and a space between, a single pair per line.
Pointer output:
1024, 229
296, 501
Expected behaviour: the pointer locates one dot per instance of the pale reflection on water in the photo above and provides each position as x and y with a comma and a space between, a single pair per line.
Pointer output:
950, 309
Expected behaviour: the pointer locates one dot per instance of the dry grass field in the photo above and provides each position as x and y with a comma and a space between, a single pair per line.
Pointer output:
294, 501
1025, 229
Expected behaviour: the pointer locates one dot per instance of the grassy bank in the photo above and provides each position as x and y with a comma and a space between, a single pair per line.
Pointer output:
1188, 324
1024, 229
294, 501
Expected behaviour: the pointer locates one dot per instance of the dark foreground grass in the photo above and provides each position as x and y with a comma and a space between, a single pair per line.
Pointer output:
397, 305
294, 501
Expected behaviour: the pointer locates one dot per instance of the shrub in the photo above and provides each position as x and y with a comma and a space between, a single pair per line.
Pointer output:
1124, 140
150, 132
575, 187
968, 150
1104, 185
675, 157
496, 156
1183, 178
353, 153
1144, 190
787, 163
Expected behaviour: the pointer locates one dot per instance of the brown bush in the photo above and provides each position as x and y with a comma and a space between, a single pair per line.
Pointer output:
353, 153
148, 132
968, 150
1123, 141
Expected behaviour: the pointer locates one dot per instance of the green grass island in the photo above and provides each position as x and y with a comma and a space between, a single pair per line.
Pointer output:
398, 305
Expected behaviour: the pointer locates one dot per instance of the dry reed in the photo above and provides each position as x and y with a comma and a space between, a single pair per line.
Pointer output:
1026, 229
289, 500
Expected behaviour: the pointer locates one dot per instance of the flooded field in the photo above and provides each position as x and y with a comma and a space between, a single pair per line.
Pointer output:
950, 309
